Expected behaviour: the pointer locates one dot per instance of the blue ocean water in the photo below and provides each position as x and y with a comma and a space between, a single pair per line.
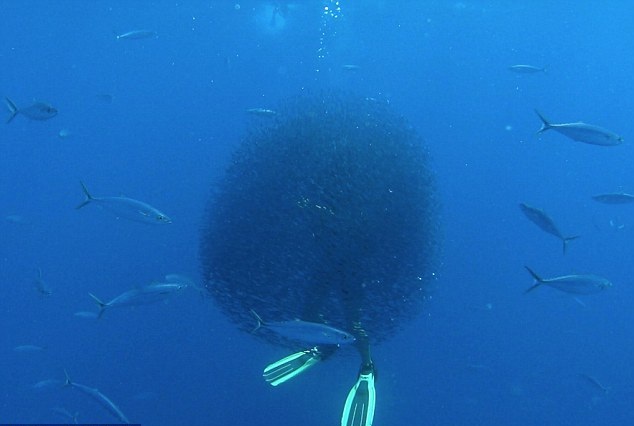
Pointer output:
482, 352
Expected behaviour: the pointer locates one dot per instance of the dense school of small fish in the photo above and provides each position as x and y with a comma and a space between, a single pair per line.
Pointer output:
135, 210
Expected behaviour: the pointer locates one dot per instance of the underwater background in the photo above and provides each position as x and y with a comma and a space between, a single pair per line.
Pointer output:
157, 119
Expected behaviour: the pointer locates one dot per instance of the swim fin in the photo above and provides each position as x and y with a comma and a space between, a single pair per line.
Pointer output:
289, 367
361, 401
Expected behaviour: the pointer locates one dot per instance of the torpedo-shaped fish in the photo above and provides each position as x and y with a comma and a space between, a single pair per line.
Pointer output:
304, 331
545, 223
102, 399
137, 35
526, 69
145, 295
574, 284
582, 132
614, 198
41, 286
262, 112
594, 382
125, 207
39, 111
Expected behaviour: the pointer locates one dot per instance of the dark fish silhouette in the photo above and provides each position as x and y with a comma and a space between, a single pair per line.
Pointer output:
614, 198
545, 223
39, 111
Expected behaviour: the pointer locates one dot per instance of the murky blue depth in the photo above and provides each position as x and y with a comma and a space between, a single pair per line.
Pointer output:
146, 102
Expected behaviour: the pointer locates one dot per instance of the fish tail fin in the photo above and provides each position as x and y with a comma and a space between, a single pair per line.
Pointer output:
67, 381
102, 305
89, 197
537, 278
567, 239
258, 319
13, 109
545, 123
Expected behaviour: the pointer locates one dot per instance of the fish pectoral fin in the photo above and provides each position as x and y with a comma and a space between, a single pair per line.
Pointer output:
142, 213
533, 287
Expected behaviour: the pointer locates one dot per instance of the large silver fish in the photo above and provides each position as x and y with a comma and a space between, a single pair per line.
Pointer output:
574, 284
37, 111
145, 295
304, 331
614, 198
99, 397
127, 208
582, 132
545, 223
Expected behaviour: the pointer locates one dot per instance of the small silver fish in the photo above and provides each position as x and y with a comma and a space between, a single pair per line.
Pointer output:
545, 223
145, 295
310, 332
16, 218
351, 67
128, 208
105, 98
47, 383
526, 69
614, 198
39, 111
28, 348
262, 112
594, 382
582, 132
574, 284
86, 314
41, 286
137, 35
